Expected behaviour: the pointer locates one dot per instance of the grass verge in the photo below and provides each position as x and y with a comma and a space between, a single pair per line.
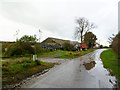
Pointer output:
65, 54
14, 72
110, 61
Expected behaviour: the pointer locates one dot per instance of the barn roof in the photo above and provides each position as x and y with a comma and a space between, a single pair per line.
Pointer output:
53, 41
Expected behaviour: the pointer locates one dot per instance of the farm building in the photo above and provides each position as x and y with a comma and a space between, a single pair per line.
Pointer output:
55, 43
83, 46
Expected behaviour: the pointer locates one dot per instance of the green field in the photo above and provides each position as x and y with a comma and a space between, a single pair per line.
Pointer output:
110, 61
65, 54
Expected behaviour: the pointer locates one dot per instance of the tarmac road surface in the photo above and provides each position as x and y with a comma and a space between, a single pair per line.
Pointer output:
83, 72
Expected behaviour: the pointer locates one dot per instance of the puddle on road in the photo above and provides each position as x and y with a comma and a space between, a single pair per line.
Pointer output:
90, 65
96, 69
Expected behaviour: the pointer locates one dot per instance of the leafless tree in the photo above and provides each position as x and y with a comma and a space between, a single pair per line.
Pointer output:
110, 39
16, 34
40, 33
83, 26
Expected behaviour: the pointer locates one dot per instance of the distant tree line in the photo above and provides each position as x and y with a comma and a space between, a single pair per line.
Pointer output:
28, 39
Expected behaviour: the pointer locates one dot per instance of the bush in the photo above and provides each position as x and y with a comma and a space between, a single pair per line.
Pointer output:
38, 49
19, 49
67, 46
116, 44
101, 46
37, 62
5, 45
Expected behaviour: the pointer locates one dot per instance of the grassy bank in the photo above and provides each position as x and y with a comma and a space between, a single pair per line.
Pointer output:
15, 71
110, 61
65, 54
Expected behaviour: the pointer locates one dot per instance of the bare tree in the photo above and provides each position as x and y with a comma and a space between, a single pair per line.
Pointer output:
83, 26
16, 34
40, 33
110, 39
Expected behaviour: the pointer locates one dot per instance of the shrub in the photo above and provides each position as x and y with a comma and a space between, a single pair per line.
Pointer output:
19, 49
67, 46
101, 46
38, 48
4, 47
116, 46
37, 62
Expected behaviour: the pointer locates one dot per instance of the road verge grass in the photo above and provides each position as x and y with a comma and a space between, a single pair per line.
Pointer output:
14, 72
110, 61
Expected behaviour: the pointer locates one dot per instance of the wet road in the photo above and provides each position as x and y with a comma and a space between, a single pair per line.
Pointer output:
84, 72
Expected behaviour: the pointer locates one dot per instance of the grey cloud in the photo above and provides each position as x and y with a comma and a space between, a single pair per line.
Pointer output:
58, 16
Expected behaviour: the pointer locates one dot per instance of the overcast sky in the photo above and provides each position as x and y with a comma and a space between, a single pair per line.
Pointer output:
56, 18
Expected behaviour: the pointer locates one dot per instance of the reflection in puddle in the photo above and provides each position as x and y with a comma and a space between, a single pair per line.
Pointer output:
90, 65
